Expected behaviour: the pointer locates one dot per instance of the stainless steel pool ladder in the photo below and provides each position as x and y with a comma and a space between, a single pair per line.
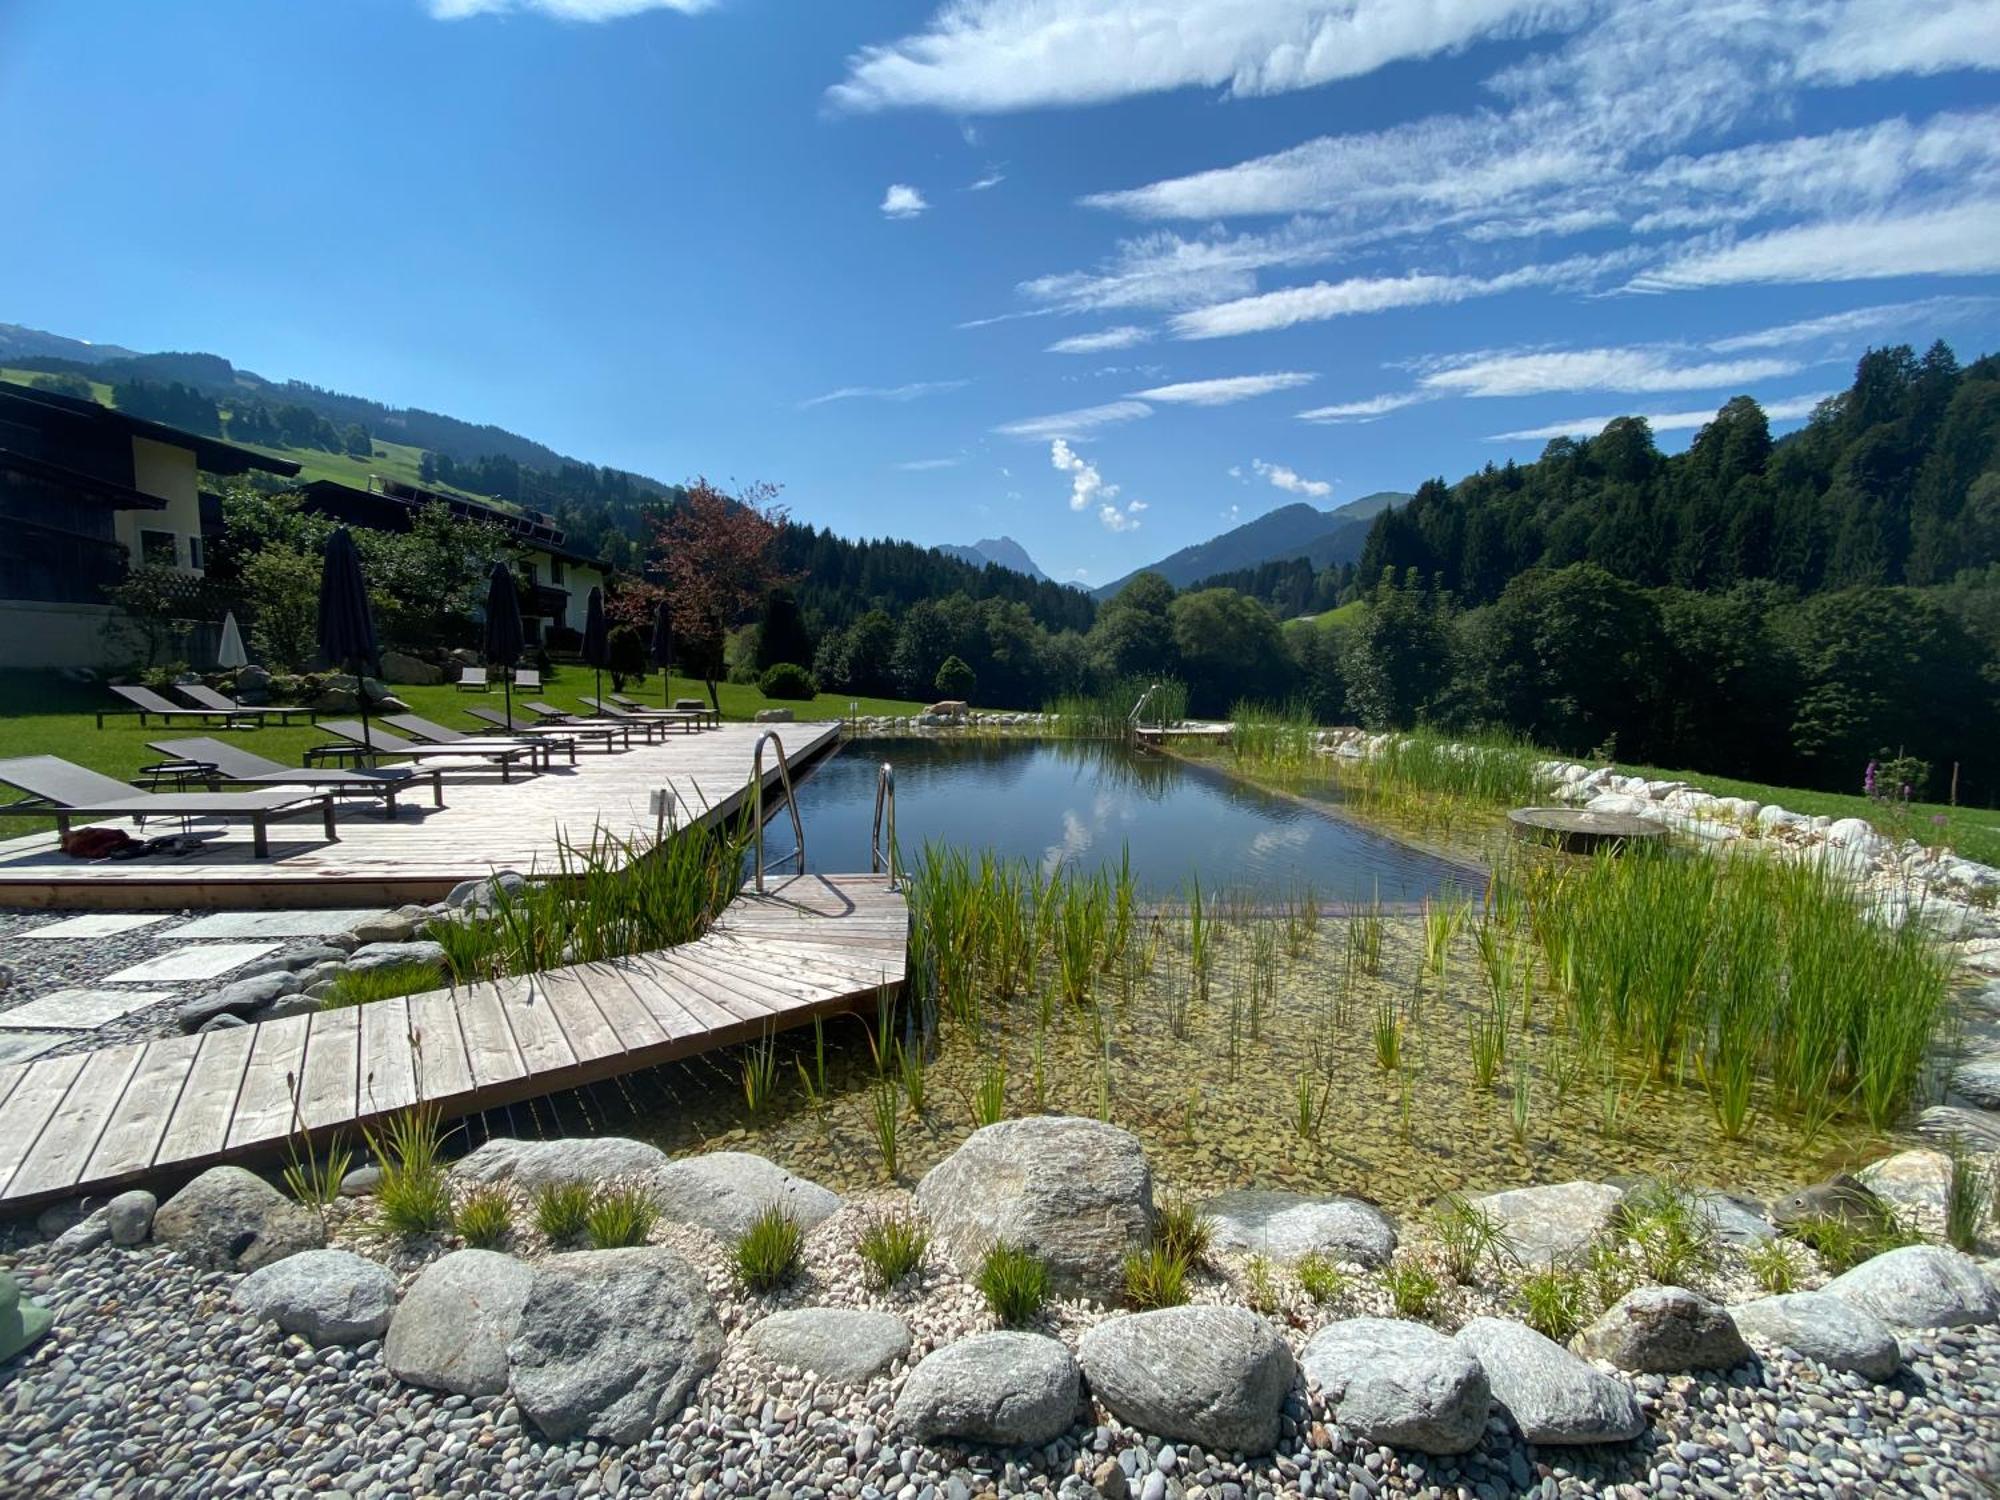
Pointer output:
882, 856
1132, 719
770, 737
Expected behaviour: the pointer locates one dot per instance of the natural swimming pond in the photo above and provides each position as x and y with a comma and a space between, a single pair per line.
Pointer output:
1084, 804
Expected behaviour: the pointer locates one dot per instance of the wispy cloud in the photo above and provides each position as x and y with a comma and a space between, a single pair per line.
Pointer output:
1073, 424
915, 390
1883, 38
988, 56
1926, 313
1088, 490
1289, 481
1791, 409
902, 202
1102, 341
1635, 368
1959, 241
990, 180
1225, 391
1365, 410
924, 465
565, 10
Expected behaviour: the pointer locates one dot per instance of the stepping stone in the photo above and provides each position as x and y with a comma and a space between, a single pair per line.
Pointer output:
208, 961
275, 924
79, 1010
25, 1046
94, 925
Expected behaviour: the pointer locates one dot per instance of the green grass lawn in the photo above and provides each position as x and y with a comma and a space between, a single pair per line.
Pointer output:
43, 713
1346, 614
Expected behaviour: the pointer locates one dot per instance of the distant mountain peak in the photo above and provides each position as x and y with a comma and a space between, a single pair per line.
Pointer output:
1321, 537
1003, 551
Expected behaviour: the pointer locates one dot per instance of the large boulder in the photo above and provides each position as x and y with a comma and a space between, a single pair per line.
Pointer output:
1076, 1192
1829, 1330
452, 1329
611, 1342
1664, 1330
1003, 1388
1553, 1396
371, 956
1290, 1226
1400, 1383
533, 1165
842, 1344
1977, 1079
1919, 1286
230, 1219
1217, 1376
1545, 1224
726, 1191
1919, 1180
401, 667
324, 1296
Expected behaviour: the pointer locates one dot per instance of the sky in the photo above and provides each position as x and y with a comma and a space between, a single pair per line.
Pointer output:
1107, 276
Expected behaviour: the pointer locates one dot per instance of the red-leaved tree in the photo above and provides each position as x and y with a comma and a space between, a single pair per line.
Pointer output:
720, 555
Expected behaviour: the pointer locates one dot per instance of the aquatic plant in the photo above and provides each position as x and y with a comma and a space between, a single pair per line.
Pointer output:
1107, 713
814, 1082
912, 1070
366, 986
620, 1216
1273, 738
892, 1246
1301, 913
1321, 1279
769, 1252
1310, 1099
483, 1218
1201, 942
1364, 938
989, 1099
1520, 1106
562, 1210
1672, 1231
883, 1112
1014, 1281
1388, 1035
1468, 1235
1967, 1197
760, 1075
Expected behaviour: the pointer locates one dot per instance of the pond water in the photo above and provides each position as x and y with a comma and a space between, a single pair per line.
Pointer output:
1084, 803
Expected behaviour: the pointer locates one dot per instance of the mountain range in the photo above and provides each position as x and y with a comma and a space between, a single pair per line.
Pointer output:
1002, 551
1322, 537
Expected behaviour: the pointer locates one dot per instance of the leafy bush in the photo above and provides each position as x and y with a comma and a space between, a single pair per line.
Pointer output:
787, 680
1014, 1282
954, 679
484, 1218
562, 1210
621, 1216
893, 1245
1156, 1277
767, 1256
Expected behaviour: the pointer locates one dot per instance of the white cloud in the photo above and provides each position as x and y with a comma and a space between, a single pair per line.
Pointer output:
911, 392
990, 180
1087, 489
1536, 372
924, 465
1791, 409
1958, 241
1111, 518
1881, 38
565, 10
1924, 314
1103, 340
1227, 390
1071, 424
1289, 481
902, 201
1363, 411
986, 56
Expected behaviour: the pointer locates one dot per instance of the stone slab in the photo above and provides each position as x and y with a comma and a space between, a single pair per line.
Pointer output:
207, 961
25, 1046
95, 925
276, 924
79, 1010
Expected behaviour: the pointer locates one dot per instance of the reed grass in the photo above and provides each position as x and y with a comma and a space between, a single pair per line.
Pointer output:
1014, 1281
412, 1196
989, 1099
483, 1218
768, 1254
366, 986
760, 1075
1273, 738
1106, 714
1968, 1195
1155, 1277
883, 1111
562, 1210
892, 1246
620, 1216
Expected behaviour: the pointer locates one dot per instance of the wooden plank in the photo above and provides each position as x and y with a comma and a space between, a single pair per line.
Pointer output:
56, 1163
444, 1072
592, 1034
861, 965
765, 985
329, 1083
11, 1075
738, 1002
199, 1124
387, 1065
680, 1017
660, 983
28, 1110
538, 1030
132, 1134
489, 1042
264, 1104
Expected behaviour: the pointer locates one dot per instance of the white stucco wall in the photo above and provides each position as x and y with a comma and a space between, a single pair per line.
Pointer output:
169, 472
580, 581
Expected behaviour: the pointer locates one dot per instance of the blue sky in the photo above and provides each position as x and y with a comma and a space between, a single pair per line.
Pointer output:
1105, 275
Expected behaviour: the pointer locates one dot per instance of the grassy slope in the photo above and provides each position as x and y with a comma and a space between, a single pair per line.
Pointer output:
44, 714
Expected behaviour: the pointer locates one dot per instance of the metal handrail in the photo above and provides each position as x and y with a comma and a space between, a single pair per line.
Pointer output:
885, 801
1132, 719
770, 736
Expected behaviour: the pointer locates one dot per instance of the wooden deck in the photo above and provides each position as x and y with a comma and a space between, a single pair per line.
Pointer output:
1184, 732
95, 1121
424, 851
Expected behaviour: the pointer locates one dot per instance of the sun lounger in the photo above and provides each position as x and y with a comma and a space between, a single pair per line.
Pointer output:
58, 789
653, 729
529, 678
207, 697
378, 741
569, 731
145, 702
473, 680
232, 763
440, 734
665, 718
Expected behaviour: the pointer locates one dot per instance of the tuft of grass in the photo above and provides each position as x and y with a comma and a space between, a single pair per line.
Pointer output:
1610, 1272
370, 985
1841, 1246
1412, 1286
621, 1216
484, 1218
883, 1108
1014, 1281
1468, 1235
1967, 1197
989, 1100
1260, 1290
760, 1076
412, 1197
562, 1210
1555, 1301
1183, 1230
768, 1253
1320, 1278
1774, 1265
893, 1246
1155, 1277
1674, 1234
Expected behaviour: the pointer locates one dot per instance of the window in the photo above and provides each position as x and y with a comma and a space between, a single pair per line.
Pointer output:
194, 553
556, 570
527, 569
160, 548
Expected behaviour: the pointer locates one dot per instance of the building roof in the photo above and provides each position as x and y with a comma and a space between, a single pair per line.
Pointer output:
392, 507
83, 486
27, 406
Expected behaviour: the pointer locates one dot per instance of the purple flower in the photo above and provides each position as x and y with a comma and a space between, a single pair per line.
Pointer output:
1868, 780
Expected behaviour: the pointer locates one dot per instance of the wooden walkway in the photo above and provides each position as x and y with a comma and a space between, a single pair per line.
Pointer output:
95, 1121
421, 853
1184, 732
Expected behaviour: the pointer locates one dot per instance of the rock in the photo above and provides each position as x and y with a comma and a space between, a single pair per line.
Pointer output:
238, 999
1545, 1224
1825, 1328
1664, 1330
1771, 816
23, 1320
297, 961
452, 1329
1400, 1383
64, 1213
1919, 1286
1076, 1192
772, 716
223, 1023
130, 1216
1857, 834
1738, 1221
949, 708
611, 1342
324, 1296
1553, 1396
1289, 1226
401, 667
385, 927
1978, 1080
1979, 1129
839, 1344
1636, 806
1002, 1388
298, 1004
484, 893
725, 1191
1217, 1376
361, 1182
1918, 1180
86, 1234
230, 1219
372, 956
533, 1165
